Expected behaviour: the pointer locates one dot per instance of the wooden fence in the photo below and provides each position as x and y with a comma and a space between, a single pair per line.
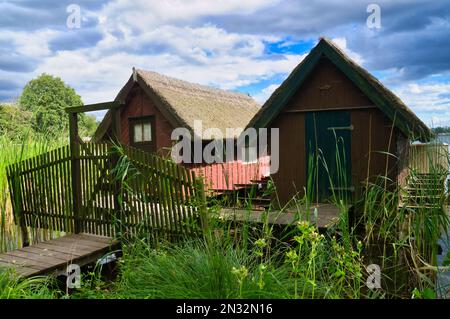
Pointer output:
428, 158
90, 188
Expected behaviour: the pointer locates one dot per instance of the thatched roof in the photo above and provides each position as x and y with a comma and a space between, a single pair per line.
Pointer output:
183, 102
402, 116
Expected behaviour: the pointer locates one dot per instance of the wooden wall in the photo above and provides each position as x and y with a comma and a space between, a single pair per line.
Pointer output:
329, 89
139, 104
217, 176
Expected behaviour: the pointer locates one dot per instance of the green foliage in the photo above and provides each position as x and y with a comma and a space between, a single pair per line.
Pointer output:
427, 293
88, 125
441, 129
14, 122
242, 260
12, 151
14, 287
46, 97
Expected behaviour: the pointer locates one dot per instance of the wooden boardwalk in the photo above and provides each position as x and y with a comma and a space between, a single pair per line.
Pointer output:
55, 255
327, 215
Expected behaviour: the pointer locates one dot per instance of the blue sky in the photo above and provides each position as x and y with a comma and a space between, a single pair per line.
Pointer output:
248, 46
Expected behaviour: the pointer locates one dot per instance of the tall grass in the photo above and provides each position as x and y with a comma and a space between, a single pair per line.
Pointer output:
243, 260
14, 287
12, 151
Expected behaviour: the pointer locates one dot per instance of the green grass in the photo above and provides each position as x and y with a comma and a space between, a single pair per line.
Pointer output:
12, 151
311, 267
246, 261
14, 287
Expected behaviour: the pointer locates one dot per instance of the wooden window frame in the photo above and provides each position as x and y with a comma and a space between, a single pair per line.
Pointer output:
132, 121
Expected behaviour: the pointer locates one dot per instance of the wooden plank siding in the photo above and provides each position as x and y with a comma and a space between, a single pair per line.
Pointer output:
372, 138
326, 89
138, 104
291, 175
223, 176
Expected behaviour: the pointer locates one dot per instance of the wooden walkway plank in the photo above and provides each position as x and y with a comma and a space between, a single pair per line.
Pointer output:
23, 271
46, 252
327, 215
73, 252
78, 242
54, 255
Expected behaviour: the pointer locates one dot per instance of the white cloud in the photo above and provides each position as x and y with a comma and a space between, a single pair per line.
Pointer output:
425, 97
265, 93
430, 101
342, 44
223, 43
145, 14
206, 55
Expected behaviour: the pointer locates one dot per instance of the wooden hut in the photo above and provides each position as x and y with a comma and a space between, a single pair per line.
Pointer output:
155, 104
332, 113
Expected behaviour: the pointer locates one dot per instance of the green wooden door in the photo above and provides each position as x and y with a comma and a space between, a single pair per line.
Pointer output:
328, 144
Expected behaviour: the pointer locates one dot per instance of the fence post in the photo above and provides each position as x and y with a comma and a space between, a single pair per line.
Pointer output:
75, 168
202, 208
117, 185
16, 203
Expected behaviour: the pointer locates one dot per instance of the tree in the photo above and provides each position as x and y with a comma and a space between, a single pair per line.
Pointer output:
441, 129
46, 97
14, 122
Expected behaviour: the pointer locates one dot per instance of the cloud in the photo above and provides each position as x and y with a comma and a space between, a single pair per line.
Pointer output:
75, 39
429, 97
232, 44
31, 15
205, 55
8, 85
342, 44
265, 93
17, 63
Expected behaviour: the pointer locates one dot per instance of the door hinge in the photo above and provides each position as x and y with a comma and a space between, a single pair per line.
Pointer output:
334, 128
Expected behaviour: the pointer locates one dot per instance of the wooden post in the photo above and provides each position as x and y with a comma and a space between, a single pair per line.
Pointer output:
76, 173
16, 202
202, 208
114, 160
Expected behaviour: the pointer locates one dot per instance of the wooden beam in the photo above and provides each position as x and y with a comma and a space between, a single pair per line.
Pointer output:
75, 170
330, 109
95, 107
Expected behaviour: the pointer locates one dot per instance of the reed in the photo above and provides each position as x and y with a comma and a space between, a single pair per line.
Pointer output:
12, 151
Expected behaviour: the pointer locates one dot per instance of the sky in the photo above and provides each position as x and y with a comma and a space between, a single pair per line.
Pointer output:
248, 46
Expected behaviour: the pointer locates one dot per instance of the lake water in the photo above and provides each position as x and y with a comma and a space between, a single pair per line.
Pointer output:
444, 278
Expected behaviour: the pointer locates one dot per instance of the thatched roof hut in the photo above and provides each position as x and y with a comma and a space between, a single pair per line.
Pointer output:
182, 103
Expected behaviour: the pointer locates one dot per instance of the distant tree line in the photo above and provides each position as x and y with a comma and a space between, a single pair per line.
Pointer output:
40, 110
441, 130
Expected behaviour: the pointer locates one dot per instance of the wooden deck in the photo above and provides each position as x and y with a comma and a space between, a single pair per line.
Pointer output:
327, 215
55, 255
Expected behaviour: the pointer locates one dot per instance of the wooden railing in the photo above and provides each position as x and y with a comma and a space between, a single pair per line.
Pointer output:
151, 195
429, 158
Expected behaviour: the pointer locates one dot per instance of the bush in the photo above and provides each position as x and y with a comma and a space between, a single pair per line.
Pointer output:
14, 122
